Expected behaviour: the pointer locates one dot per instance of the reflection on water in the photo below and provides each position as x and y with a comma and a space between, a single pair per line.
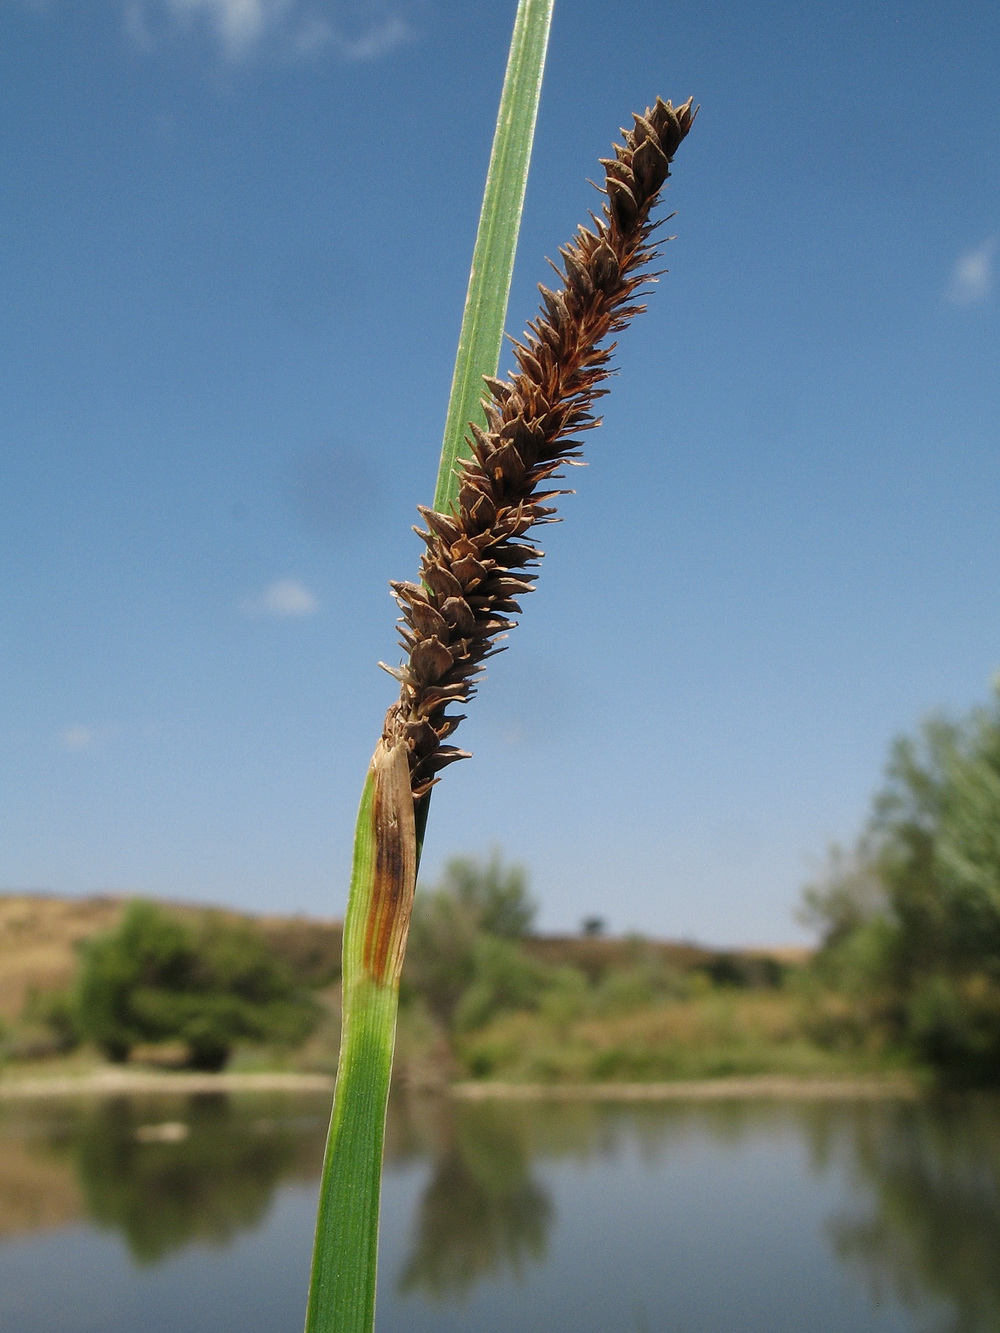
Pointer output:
929, 1225
892, 1206
214, 1182
161, 1173
35, 1194
481, 1212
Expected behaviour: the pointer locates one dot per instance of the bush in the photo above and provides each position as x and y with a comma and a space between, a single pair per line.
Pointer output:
503, 978
744, 971
645, 979
497, 898
210, 985
54, 1012
440, 955
463, 939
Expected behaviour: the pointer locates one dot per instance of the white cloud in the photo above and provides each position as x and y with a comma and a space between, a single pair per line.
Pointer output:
238, 24
354, 30
972, 277
80, 737
137, 26
373, 39
282, 598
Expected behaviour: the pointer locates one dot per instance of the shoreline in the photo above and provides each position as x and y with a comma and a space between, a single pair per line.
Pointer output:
771, 1087
125, 1082
116, 1082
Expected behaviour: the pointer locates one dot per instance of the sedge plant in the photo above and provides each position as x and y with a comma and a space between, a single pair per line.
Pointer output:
504, 444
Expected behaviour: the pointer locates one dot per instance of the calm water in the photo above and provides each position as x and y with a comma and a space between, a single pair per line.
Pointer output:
195, 1214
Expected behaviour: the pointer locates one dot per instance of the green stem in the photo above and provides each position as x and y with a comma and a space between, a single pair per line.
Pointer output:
389, 832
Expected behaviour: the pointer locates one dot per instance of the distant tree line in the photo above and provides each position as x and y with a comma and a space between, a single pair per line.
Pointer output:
908, 967
188, 985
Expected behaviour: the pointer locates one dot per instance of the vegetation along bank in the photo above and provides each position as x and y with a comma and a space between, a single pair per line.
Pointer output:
905, 983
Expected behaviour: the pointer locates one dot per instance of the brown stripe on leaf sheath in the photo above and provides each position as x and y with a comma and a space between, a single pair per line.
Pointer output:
395, 870
477, 563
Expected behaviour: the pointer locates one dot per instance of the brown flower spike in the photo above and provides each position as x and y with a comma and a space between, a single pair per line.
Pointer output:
476, 564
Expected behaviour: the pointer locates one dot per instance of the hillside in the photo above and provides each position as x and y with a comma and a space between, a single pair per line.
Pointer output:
40, 935
568, 1009
38, 941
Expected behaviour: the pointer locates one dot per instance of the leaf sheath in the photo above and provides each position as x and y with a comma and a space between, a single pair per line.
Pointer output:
342, 1289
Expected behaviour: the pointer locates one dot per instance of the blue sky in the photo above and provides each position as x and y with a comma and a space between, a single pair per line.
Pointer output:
236, 237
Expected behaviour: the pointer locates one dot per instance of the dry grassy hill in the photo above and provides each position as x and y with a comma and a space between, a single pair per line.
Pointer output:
40, 935
38, 939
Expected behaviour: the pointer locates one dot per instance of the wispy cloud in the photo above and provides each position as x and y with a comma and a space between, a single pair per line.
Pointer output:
81, 737
972, 277
239, 25
282, 599
368, 41
353, 30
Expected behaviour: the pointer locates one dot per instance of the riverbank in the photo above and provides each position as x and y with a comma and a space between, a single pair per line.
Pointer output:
719, 1089
127, 1082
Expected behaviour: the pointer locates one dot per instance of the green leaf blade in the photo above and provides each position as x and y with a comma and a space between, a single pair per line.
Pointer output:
481, 337
342, 1291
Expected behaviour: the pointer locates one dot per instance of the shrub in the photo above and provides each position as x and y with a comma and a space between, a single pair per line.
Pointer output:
495, 896
54, 1012
463, 939
210, 985
503, 978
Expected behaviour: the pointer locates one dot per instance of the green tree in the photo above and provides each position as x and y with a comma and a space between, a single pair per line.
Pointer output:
462, 953
496, 896
209, 984
911, 923
503, 978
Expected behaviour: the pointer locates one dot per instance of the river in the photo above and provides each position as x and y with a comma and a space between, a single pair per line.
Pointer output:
194, 1215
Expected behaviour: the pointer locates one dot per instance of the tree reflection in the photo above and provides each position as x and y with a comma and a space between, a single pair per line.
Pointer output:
201, 1171
482, 1213
933, 1235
